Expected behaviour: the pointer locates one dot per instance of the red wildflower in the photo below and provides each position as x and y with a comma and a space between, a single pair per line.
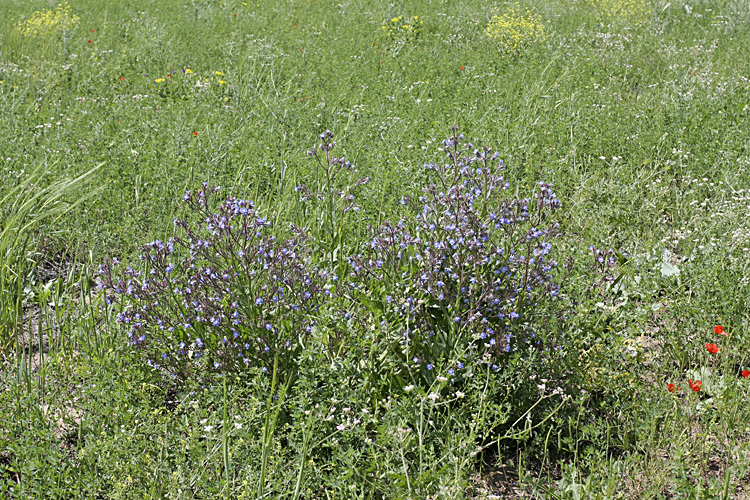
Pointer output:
90, 41
122, 78
712, 348
745, 373
672, 388
719, 330
695, 386
195, 134
92, 31
235, 15
462, 68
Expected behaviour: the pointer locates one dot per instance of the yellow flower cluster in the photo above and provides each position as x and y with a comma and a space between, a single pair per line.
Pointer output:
516, 29
611, 10
397, 27
48, 22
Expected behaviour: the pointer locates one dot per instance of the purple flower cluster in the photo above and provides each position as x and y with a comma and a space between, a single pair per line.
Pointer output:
470, 265
459, 277
222, 293
333, 196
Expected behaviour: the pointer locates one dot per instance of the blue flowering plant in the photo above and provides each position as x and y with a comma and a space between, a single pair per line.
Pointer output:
462, 276
222, 294
332, 195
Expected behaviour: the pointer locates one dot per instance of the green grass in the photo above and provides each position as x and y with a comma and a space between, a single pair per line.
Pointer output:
641, 123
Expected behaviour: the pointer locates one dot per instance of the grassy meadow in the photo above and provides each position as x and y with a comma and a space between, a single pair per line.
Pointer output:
388, 336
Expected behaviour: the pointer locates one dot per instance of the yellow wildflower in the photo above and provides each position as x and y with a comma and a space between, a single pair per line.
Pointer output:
48, 22
405, 29
159, 80
188, 70
218, 73
515, 30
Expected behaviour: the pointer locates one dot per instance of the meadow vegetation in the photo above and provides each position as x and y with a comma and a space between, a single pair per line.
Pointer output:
421, 249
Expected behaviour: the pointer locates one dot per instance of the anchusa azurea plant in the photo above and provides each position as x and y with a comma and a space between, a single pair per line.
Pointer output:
333, 195
459, 279
222, 294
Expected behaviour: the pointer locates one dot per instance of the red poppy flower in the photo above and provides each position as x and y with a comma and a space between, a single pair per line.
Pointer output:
122, 78
719, 330
90, 41
745, 373
697, 386
712, 348
671, 388
462, 68
92, 31
195, 134
235, 15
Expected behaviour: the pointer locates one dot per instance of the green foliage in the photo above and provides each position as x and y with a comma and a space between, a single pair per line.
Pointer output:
636, 111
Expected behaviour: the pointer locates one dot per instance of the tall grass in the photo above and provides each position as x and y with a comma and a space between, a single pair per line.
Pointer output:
33, 200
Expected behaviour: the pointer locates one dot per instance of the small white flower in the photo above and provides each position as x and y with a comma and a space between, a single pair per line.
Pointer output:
442, 379
460, 394
237, 425
203, 422
433, 396
340, 427
409, 388
208, 428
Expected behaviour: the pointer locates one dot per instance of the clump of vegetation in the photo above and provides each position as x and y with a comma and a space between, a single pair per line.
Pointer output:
44, 23
221, 294
516, 29
460, 280
398, 27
